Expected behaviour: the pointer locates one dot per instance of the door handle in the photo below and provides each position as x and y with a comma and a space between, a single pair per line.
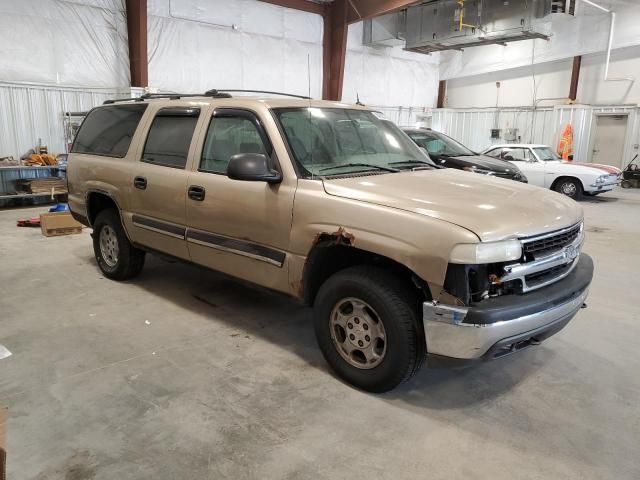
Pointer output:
140, 182
196, 193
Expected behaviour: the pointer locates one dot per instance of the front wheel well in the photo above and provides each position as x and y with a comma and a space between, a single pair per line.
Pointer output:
327, 258
97, 202
565, 177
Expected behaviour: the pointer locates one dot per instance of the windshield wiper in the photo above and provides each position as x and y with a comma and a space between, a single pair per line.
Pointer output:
404, 162
369, 165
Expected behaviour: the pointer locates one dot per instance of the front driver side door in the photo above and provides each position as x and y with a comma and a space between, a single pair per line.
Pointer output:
239, 227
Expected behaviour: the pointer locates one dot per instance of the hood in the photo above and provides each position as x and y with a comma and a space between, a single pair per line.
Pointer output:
492, 208
481, 161
605, 168
559, 166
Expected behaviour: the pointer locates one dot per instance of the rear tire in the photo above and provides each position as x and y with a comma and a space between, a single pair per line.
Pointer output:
117, 258
570, 187
368, 328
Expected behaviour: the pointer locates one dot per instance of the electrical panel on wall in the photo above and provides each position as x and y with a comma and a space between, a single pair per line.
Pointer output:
510, 134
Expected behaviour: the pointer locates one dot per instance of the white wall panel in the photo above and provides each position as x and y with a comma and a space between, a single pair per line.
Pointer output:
193, 47
388, 76
80, 42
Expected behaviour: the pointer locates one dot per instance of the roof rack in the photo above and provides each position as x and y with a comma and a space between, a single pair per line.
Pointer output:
215, 93
170, 96
259, 91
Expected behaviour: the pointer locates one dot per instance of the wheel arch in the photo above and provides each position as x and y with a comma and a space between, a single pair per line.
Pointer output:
332, 253
97, 201
565, 177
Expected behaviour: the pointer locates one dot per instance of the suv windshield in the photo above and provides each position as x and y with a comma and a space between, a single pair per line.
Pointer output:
337, 141
546, 154
439, 144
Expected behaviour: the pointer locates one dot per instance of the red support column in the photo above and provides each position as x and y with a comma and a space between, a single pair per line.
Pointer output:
575, 76
334, 49
137, 32
442, 91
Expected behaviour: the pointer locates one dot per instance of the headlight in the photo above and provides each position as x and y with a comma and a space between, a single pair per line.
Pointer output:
478, 170
486, 252
601, 178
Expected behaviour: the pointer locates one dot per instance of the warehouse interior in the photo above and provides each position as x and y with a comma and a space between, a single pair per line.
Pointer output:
189, 370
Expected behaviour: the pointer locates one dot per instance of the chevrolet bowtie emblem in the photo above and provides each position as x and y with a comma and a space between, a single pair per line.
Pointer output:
570, 252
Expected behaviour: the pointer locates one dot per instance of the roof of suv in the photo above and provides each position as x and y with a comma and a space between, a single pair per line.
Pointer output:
247, 101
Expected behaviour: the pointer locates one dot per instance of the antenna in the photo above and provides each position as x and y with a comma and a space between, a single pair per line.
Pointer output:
358, 102
309, 113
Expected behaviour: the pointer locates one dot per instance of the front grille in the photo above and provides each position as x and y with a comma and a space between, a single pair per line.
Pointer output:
538, 278
551, 243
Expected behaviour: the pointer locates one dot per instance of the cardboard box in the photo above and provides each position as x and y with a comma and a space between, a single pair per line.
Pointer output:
58, 223
3, 442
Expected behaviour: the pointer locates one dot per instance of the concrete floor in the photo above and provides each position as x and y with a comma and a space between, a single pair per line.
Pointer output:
185, 374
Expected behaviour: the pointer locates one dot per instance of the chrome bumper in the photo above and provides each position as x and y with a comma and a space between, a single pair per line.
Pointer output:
446, 334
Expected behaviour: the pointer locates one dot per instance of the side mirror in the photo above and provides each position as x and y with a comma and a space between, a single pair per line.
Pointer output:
252, 167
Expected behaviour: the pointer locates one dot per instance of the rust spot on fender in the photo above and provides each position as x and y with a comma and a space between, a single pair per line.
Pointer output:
339, 237
344, 237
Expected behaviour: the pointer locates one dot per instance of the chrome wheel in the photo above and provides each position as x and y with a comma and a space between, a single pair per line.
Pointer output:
109, 245
568, 188
357, 333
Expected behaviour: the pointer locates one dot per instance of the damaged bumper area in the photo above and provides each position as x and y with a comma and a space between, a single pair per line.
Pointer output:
505, 324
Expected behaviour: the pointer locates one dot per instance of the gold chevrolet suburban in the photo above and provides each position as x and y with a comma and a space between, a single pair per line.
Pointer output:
330, 203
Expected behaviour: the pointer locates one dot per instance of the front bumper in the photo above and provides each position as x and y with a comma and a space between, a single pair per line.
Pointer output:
508, 323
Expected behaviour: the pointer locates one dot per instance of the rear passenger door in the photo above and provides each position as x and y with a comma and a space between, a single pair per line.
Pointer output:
239, 227
159, 181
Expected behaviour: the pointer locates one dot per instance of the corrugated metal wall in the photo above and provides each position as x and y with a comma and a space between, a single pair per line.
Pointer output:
402, 116
29, 112
473, 127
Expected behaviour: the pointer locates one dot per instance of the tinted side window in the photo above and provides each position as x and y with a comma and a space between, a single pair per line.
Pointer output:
170, 136
108, 130
226, 137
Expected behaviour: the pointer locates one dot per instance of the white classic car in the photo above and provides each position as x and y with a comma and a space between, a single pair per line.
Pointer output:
544, 168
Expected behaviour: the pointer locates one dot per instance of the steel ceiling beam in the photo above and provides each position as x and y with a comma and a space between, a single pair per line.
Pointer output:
304, 5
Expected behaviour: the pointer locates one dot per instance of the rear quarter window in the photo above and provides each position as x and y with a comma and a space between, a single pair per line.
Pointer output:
108, 130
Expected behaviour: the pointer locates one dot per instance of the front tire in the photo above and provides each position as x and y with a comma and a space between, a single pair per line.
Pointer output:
117, 258
570, 187
368, 328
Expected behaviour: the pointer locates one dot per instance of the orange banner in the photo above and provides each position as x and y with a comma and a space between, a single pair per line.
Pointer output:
565, 147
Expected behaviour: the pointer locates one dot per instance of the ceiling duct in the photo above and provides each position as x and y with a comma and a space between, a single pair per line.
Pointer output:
385, 30
458, 24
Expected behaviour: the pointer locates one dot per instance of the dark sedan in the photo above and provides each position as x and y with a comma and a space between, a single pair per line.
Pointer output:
447, 152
